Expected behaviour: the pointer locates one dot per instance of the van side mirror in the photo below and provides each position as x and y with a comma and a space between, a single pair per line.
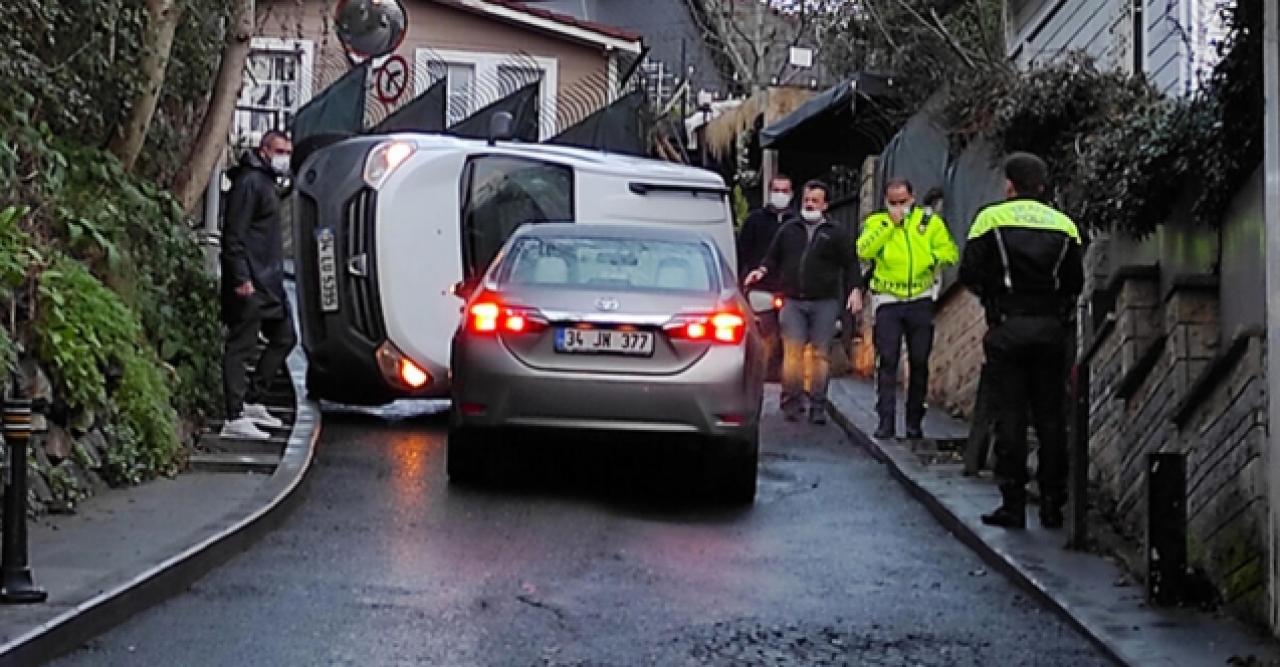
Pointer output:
500, 127
463, 289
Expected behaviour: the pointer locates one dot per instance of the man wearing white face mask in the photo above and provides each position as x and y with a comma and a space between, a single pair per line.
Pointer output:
818, 269
760, 227
909, 248
253, 296
757, 233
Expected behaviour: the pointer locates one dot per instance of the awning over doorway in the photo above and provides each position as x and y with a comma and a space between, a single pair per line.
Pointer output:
852, 117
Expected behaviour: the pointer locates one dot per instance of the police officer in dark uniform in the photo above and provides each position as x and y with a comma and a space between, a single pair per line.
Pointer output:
1024, 258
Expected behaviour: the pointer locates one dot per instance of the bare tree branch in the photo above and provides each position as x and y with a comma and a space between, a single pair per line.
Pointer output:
875, 16
714, 29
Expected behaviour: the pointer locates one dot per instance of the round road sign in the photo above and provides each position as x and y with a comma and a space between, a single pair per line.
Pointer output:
391, 79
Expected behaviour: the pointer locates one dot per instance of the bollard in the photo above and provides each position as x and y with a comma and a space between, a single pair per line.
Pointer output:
1078, 461
16, 583
1166, 527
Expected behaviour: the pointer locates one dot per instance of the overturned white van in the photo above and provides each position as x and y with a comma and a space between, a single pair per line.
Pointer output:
387, 225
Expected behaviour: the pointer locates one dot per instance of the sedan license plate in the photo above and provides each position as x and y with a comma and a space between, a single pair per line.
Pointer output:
328, 265
604, 341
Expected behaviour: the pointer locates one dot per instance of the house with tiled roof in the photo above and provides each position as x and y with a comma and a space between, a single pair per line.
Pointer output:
482, 49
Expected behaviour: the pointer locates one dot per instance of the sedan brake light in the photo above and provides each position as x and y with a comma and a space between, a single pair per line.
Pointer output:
489, 316
725, 326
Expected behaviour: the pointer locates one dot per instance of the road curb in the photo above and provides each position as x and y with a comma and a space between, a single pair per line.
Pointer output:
956, 526
263, 512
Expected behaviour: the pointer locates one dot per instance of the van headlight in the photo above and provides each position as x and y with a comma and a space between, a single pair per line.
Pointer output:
398, 369
384, 159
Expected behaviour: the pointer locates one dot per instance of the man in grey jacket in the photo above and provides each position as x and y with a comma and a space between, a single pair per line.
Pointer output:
253, 296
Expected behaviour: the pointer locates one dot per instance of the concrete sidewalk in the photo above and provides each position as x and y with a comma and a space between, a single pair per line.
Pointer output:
128, 549
1081, 586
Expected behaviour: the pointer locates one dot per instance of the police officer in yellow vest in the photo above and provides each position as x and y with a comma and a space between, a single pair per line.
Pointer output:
909, 247
1024, 259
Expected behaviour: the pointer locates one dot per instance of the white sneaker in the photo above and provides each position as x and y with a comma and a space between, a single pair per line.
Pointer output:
243, 429
260, 416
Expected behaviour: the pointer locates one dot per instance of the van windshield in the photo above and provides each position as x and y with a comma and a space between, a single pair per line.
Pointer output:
611, 263
505, 193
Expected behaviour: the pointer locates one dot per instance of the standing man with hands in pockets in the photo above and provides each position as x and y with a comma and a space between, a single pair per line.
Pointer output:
819, 273
253, 296
909, 246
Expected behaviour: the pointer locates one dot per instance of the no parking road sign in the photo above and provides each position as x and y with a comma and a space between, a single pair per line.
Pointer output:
391, 79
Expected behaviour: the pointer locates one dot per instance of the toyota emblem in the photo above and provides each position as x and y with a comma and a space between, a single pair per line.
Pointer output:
607, 304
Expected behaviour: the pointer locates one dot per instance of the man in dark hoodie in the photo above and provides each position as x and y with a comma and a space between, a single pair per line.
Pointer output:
817, 265
253, 296
754, 239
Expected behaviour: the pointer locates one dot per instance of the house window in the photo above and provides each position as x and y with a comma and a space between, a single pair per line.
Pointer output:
477, 79
277, 82
1208, 30
1138, 58
460, 88
513, 78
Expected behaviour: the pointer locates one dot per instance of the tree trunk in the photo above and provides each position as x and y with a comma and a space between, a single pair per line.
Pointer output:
162, 22
212, 139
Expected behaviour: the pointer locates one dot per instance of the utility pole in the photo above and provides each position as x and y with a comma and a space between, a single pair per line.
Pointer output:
768, 158
1271, 163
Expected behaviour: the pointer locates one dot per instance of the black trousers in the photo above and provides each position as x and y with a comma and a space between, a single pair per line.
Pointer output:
912, 320
1028, 366
243, 325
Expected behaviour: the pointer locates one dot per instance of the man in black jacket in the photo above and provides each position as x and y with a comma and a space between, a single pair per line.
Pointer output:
761, 226
253, 296
754, 239
817, 264
1024, 260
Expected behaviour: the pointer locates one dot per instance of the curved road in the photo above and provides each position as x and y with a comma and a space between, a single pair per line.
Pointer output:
611, 561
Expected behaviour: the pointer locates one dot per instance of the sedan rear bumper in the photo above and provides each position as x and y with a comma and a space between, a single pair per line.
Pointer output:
714, 397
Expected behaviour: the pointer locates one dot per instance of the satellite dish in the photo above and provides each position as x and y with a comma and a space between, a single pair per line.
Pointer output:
370, 28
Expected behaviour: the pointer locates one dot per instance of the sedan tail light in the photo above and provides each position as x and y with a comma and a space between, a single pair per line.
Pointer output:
488, 315
723, 326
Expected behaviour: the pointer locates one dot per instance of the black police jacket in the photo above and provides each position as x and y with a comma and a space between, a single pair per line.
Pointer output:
824, 267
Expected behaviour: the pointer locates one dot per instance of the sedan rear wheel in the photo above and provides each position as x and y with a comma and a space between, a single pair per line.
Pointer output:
737, 469
467, 454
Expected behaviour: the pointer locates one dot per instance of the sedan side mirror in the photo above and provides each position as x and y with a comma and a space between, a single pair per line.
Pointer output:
762, 301
463, 289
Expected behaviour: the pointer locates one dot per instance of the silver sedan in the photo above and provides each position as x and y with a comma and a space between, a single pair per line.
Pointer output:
608, 328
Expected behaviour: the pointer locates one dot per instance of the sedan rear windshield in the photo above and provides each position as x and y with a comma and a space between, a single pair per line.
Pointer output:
611, 263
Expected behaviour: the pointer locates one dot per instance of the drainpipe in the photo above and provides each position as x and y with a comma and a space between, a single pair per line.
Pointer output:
1271, 90
210, 236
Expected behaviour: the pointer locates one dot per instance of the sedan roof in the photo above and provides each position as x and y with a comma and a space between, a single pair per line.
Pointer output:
637, 231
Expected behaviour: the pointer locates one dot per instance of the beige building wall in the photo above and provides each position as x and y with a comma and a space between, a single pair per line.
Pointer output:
581, 71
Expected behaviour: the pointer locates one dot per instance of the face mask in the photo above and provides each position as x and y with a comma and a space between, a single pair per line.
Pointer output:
779, 200
811, 215
280, 164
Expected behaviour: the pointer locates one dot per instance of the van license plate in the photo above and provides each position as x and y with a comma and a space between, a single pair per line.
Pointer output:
327, 261
603, 341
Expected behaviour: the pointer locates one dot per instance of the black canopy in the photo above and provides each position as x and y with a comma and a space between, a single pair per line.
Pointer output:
338, 108
424, 113
617, 128
522, 105
850, 117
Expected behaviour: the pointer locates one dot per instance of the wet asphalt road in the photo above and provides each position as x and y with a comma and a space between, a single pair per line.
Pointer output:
610, 561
